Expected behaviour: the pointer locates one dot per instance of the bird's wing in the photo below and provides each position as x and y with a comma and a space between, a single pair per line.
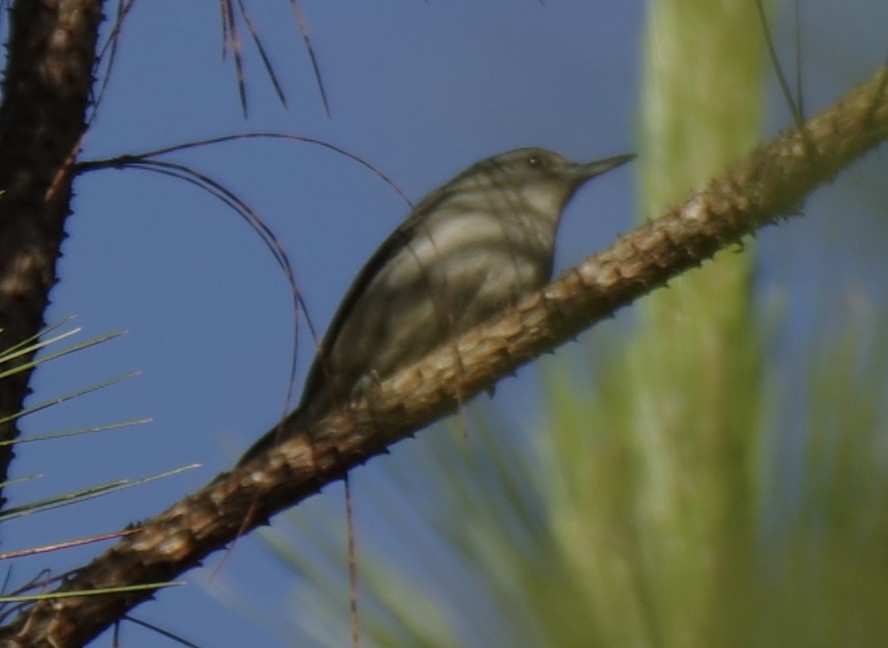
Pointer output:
389, 249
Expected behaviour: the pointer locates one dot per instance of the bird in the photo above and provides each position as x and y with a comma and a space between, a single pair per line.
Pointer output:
468, 250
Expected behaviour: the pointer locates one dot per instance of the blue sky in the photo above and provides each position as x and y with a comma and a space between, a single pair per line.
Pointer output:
420, 90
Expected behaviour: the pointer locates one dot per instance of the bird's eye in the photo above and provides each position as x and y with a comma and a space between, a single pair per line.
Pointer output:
535, 161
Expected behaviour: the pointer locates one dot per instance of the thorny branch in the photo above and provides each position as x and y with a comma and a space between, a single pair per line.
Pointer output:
46, 89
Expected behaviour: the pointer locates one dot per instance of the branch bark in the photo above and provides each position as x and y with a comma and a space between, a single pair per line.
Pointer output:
770, 183
45, 97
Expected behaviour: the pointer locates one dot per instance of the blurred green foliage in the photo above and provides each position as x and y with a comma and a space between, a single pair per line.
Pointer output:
688, 486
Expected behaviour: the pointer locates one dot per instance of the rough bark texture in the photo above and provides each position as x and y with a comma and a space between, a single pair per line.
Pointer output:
768, 184
45, 96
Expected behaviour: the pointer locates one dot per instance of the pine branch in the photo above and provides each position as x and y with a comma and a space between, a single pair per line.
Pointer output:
45, 96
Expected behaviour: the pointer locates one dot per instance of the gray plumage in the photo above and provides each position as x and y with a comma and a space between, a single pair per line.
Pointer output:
468, 250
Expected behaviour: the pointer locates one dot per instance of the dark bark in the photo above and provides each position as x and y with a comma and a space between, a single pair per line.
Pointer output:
46, 93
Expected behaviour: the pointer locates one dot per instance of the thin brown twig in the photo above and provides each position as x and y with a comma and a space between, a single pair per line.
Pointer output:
148, 160
354, 616
231, 42
108, 56
263, 54
312, 57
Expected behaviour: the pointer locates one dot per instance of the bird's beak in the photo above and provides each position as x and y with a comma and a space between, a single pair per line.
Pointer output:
591, 169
